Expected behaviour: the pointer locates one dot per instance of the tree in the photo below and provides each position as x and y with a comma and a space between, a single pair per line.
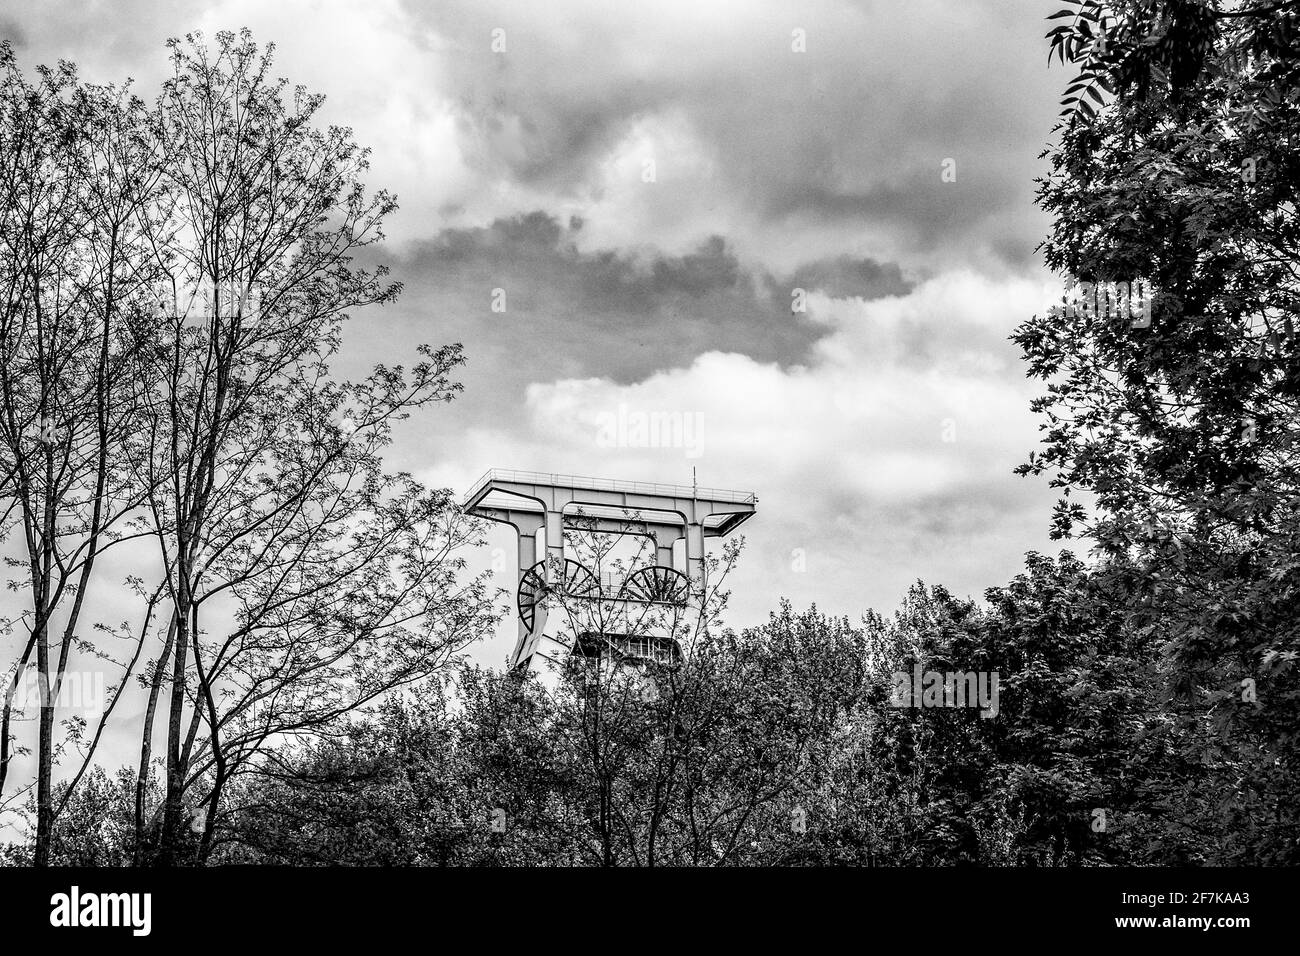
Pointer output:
270, 492
699, 760
177, 282
1184, 431
75, 178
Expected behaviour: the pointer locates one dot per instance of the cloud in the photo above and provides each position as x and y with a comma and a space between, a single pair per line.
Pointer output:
573, 313
837, 147
792, 156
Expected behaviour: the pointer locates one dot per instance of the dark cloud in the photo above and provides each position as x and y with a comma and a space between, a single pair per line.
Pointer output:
845, 277
620, 314
592, 314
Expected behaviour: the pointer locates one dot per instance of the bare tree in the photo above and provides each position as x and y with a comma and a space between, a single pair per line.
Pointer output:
176, 282
75, 176
271, 510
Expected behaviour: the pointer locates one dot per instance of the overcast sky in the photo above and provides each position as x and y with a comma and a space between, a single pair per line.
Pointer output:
879, 427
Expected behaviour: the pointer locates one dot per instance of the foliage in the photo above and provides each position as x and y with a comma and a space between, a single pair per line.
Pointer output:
1184, 434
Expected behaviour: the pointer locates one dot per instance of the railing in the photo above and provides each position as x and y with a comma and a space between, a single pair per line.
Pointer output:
609, 484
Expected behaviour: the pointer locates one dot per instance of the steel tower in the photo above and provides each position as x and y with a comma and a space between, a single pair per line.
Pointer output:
540, 507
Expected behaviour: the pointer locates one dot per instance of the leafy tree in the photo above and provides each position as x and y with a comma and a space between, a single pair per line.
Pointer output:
1183, 433
579, 774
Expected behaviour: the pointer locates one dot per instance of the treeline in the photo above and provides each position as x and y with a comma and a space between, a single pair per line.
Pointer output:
781, 745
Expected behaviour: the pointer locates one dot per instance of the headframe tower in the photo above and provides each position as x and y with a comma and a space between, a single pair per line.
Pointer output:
541, 506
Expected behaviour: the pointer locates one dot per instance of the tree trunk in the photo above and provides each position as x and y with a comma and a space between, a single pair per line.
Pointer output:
146, 743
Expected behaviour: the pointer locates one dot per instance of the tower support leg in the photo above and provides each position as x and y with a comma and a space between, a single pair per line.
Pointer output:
664, 538
554, 543
695, 558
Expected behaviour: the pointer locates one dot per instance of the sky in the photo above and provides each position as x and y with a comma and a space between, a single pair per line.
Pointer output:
805, 228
